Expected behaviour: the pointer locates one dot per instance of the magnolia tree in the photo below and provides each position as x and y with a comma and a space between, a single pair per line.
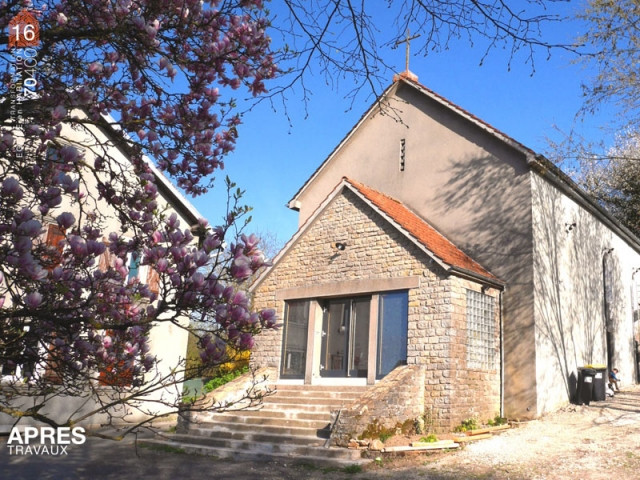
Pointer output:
67, 317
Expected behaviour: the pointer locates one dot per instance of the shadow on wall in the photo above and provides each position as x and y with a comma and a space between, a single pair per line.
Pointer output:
570, 292
493, 198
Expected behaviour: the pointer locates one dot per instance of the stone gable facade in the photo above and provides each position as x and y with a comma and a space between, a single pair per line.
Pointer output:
378, 258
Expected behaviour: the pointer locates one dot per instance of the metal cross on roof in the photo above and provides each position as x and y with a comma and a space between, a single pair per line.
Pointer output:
408, 46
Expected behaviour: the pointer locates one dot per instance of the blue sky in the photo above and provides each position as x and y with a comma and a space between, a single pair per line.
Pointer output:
275, 156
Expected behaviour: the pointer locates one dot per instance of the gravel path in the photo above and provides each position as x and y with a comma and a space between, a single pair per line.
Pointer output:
601, 441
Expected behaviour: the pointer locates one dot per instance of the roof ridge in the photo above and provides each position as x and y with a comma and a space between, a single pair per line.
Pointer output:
464, 111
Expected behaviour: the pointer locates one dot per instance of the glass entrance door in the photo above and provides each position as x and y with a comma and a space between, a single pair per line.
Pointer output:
345, 338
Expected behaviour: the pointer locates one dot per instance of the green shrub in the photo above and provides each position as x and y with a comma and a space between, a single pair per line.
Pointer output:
223, 379
429, 439
466, 425
375, 430
497, 420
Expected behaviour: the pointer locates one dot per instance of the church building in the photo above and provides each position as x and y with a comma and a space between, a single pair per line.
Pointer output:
451, 269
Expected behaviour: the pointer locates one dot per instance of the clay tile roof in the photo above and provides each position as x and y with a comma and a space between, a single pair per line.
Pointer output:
421, 231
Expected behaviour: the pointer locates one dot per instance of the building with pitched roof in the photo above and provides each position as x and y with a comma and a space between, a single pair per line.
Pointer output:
435, 254
167, 341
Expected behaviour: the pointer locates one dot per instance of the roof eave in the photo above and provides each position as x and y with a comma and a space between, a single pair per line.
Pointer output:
549, 171
169, 191
476, 277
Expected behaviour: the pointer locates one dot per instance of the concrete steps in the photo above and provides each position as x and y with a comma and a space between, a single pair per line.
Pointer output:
292, 424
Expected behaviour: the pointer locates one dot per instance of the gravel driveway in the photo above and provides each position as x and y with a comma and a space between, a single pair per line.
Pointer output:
601, 441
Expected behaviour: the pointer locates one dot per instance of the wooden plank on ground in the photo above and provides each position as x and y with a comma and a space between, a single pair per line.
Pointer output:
481, 431
426, 444
498, 428
472, 438
431, 446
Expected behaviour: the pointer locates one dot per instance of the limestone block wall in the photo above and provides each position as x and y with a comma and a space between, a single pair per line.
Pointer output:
472, 392
395, 402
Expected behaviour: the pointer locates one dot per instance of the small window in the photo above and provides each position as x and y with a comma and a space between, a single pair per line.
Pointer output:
481, 343
403, 151
134, 266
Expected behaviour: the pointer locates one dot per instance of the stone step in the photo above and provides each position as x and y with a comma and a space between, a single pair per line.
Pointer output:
272, 443
311, 389
277, 413
292, 423
293, 399
277, 428
316, 455
289, 407
258, 436
265, 420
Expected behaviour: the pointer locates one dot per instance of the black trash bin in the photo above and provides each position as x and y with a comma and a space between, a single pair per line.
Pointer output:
585, 385
600, 380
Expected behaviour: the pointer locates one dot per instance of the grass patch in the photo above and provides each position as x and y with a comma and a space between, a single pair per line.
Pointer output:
351, 469
216, 382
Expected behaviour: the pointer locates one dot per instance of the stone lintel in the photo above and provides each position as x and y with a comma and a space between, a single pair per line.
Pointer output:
348, 287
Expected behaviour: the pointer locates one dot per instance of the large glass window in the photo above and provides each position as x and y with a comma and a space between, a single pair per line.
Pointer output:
393, 318
481, 343
294, 351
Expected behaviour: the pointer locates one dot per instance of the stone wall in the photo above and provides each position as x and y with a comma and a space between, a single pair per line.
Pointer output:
394, 403
472, 392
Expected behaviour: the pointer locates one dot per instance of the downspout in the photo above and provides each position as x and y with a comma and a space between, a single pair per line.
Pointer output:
634, 343
501, 355
605, 304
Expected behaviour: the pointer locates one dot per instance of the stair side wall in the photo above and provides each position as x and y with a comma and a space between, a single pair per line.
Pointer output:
395, 403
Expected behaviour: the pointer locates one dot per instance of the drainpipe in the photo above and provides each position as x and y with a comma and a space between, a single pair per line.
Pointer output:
634, 306
501, 354
605, 303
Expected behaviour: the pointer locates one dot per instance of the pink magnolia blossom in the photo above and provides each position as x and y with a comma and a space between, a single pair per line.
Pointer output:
33, 299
